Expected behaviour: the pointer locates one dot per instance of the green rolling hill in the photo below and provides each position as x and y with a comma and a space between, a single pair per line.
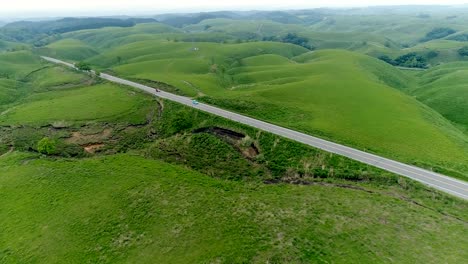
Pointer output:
17, 65
68, 49
110, 37
445, 89
339, 95
125, 208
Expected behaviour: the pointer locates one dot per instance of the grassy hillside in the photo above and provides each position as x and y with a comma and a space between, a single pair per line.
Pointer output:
36, 31
14, 69
252, 29
10, 90
112, 37
80, 105
338, 95
341, 99
125, 208
409, 28
444, 89
17, 65
264, 29
54, 77
9, 46
68, 49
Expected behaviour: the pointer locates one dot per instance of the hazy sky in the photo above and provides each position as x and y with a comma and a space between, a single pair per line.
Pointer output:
18, 8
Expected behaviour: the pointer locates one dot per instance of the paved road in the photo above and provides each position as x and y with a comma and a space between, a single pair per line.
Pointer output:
449, 185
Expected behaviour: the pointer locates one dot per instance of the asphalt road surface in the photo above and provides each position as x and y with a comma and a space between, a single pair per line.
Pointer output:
446, 184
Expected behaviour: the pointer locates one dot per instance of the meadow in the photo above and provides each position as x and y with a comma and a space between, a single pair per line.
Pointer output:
125, 208
93, 172
444, 89
78, 106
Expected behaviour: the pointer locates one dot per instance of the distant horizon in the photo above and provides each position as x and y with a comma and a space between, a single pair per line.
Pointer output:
13, 11
50, 16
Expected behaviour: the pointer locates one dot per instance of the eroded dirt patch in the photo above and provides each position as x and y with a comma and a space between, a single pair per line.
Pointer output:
81, 138
251, 152
93, 148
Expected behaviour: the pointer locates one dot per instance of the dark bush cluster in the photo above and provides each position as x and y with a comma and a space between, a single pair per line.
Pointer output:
410, 60
461, 38
292, 38
438, 33
463, 51
83, 66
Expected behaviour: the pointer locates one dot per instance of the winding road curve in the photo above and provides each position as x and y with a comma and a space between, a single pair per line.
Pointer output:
446, 184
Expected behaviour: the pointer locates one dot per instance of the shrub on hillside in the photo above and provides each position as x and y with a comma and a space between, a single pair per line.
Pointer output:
461, 37
432, 54
410, 60
46, 146
387, 59
83, 66
463, 51
292, 38
438, 33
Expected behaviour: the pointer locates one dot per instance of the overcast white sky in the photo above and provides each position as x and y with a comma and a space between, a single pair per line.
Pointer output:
21, 8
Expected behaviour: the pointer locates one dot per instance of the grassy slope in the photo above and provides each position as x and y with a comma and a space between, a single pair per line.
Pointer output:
80, 105
9, 91
339, 98
403, 28
179, 65
8, 45
370, 34
68, 49
444, 89
36, 93
111, 37
55, 77
17, 65
125, 208
340, 95
244, 29
320, 40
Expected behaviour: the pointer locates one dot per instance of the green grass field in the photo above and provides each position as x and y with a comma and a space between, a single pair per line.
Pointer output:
9, 91
94, 103
17, 65
56, 77
444, 89
68, 49
8, 45
38, 94
106, 38
124, 208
